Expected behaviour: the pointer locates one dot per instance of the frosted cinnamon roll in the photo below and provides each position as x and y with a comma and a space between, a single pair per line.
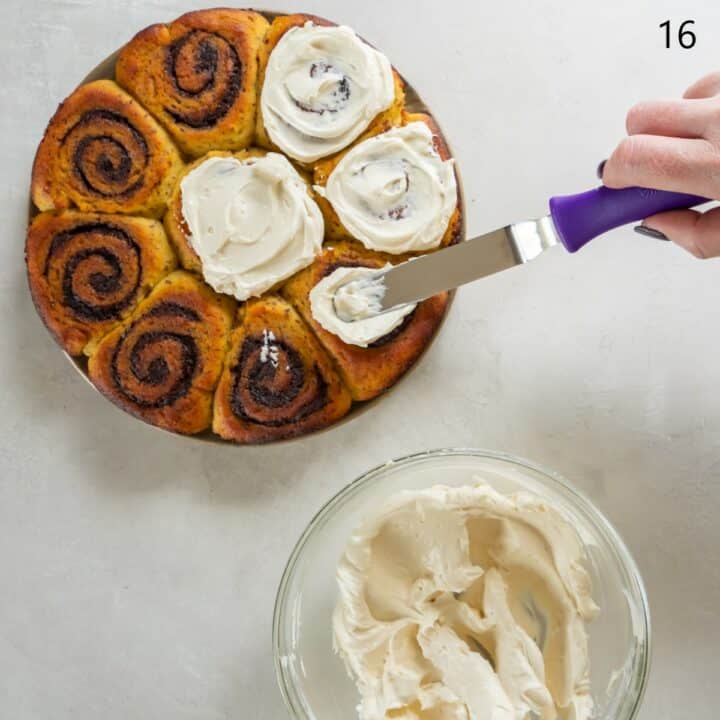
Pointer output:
323, 86
394, 192
251, 222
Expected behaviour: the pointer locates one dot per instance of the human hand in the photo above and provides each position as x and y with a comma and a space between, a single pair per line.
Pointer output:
675, 145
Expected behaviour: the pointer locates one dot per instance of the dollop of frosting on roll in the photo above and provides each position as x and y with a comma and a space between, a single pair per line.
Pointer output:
252, 222
323, 86
332, 294
393, 192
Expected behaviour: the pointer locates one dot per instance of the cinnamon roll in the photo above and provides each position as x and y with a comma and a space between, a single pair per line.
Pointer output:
246, 221
395, 192
87, 272
163, 363
277, 381
367, 371
102, 151
198, 76
322, 87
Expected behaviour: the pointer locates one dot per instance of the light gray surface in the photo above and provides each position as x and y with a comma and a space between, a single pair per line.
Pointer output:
138, 570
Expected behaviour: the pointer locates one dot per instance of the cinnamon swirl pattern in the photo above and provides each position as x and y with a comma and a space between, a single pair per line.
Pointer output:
322, 87
162, 364
277, 381
87, 271
198, 77
103, 152
367, 371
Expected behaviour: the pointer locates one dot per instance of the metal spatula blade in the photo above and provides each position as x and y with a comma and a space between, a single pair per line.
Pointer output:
573, 221
485, 255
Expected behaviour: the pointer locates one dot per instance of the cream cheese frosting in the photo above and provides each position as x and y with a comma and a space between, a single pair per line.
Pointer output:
252, 222
342, 306
323, 86
461, 603
393, 192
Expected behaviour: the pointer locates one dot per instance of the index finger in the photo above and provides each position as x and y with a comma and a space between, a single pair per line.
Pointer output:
676, 164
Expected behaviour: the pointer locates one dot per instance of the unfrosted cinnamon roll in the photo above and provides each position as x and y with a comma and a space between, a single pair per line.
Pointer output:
321, 88
87, 272
103, 152
198, 76
163, 363
277, 382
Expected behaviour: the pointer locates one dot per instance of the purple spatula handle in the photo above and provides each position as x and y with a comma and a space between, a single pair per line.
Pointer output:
580, 218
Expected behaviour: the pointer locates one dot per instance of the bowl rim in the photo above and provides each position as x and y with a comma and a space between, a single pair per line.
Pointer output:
294, 700
105, 69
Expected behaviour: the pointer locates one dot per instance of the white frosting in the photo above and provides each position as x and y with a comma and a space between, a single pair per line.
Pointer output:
252, 222
393, 192
468, 605
323, 86
331, 301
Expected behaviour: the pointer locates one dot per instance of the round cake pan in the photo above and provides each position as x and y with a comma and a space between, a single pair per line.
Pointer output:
414, 103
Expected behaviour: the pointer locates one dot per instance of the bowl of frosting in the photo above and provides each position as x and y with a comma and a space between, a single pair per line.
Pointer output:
461, 585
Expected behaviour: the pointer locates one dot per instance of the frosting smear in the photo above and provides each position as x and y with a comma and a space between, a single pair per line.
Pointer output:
345, 301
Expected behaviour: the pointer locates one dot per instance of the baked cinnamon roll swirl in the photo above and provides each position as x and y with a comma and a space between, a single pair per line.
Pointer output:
198, 76
277, 381
163, 363
367, 371
87, 272
103, 152
322, 87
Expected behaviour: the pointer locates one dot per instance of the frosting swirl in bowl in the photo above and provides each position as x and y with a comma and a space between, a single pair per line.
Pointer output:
394, 192
323, 86
252, 222
466, 603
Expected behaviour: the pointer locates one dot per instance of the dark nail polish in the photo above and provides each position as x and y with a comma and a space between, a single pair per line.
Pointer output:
601, 168
650, 232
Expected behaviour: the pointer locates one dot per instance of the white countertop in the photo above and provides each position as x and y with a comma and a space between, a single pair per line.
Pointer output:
138, 569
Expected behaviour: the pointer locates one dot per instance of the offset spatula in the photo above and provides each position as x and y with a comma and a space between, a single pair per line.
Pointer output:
573, 221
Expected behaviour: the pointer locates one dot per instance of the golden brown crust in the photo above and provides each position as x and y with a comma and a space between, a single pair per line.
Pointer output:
103, 152
198, 77
372, 370
87, 272
174, 222
335, 230
277, 381
163, 363
382, 122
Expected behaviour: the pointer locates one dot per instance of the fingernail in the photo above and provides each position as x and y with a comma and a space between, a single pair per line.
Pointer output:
650, 232
601, 168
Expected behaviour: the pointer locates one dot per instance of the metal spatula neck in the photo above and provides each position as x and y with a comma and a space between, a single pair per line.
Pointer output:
532, 237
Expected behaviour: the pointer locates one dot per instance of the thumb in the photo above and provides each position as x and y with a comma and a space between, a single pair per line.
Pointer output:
698, 233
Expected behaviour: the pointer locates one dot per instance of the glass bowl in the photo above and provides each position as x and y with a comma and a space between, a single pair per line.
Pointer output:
312, 678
